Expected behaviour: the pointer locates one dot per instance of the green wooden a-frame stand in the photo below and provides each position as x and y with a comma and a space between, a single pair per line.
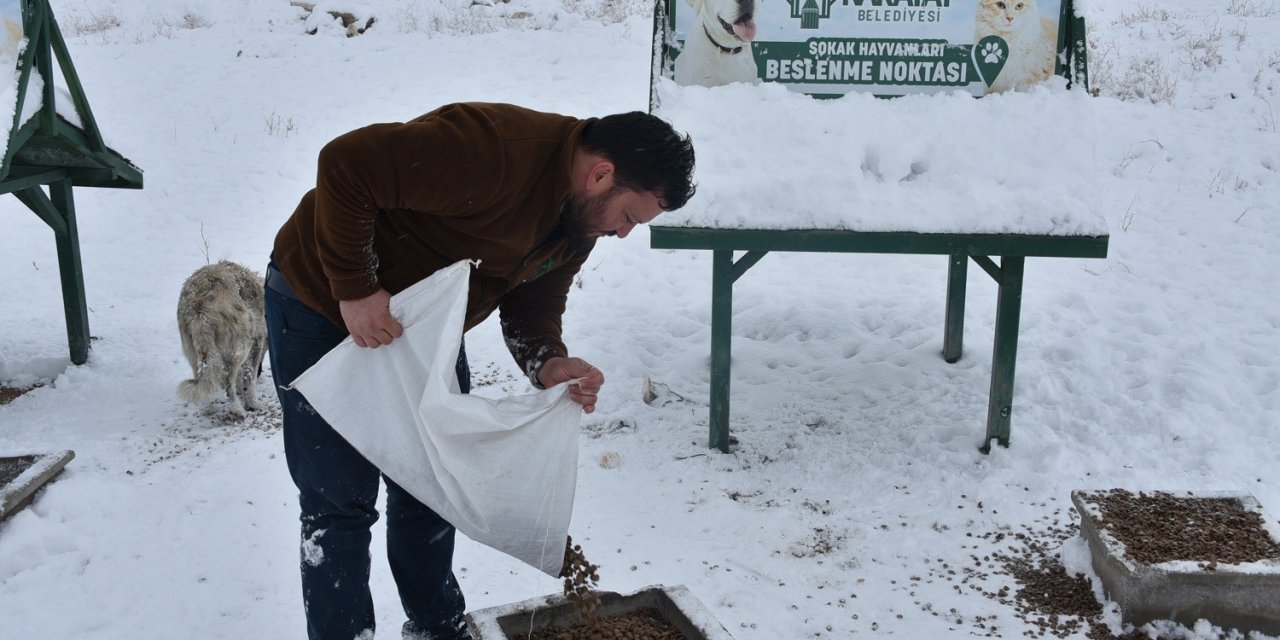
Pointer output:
48, 155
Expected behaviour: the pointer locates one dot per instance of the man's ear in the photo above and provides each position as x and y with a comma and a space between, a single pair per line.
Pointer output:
600, 178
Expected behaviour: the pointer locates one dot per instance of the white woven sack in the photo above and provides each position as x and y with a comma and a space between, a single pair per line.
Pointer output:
503, 471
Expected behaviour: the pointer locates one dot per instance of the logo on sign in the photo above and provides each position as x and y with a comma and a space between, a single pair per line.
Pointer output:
809, 12
989, 56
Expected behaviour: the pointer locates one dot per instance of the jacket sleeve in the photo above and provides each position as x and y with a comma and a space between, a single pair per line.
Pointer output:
531, 317
430, 166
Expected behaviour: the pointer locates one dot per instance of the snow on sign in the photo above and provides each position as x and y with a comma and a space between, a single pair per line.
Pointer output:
885, 47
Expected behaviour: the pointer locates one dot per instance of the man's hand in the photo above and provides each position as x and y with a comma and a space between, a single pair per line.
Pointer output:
369, 320
590, 379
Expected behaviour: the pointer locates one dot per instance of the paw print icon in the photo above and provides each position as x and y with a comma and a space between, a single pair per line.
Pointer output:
991, 53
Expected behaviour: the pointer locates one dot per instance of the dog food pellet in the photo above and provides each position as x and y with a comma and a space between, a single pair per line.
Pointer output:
580, 581
644, 624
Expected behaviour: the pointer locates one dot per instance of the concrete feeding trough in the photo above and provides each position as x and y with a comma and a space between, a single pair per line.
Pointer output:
22, 476
1233, 594
675, 605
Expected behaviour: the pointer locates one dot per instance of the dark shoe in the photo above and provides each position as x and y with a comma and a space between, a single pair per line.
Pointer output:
411, 631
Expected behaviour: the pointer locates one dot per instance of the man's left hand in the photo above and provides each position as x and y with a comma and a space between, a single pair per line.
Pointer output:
590, 379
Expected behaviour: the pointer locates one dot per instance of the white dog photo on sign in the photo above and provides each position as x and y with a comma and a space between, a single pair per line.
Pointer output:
224, 335
717, 49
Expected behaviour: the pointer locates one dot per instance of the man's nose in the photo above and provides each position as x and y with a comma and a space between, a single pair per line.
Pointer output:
624, 230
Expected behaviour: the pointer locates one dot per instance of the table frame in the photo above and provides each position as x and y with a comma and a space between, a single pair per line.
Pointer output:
1012, 249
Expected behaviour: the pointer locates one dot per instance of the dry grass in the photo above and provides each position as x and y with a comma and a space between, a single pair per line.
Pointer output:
281, 126
1252, 8
94, 23
1203, 49
1144, 79
1145, 13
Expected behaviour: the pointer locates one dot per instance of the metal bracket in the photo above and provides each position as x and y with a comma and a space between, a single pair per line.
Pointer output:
42, 206
746, 262
990, 267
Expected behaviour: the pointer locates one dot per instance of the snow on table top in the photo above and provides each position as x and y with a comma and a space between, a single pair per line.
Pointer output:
768, 158
12, 45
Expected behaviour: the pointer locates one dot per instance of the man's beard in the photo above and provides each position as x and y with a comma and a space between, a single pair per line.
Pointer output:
583, 216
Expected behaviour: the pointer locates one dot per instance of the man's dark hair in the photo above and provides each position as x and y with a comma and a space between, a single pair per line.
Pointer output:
647, 155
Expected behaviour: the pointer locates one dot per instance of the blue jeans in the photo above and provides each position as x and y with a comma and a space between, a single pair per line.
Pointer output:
337, 489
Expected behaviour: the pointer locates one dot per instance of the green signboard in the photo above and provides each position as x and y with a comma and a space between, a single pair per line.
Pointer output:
885, 47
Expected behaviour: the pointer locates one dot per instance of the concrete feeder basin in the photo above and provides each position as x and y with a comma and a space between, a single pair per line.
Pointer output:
22, 476
675, 605
1188, 556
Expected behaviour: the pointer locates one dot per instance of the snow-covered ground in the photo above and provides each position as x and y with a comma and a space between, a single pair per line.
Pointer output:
857, 485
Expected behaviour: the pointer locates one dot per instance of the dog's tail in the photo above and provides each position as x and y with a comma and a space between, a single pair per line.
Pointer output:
206, 383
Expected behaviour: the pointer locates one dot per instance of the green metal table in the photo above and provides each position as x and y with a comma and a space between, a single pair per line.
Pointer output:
1012, 250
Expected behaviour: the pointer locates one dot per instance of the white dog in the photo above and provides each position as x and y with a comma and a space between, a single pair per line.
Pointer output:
717, 49
224, 335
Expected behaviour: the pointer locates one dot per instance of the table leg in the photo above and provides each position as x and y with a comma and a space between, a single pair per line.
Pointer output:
72, 272
1008, 313
721, 338
953, 334
57, 209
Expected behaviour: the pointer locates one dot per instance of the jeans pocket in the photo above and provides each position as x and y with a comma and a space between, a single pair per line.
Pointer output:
300, 322
333, 337
298, 335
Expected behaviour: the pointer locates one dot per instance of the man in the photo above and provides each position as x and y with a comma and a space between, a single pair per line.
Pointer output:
525, 193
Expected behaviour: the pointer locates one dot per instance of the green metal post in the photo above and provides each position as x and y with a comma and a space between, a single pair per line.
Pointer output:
44, 64
1005, 356
721, 345
69, 265
658, 55
1080, 54
953, 333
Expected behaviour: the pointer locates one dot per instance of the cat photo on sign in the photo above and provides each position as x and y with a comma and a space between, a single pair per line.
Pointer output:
1032, 40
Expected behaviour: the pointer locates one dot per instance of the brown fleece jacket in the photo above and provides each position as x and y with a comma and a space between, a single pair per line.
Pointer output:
395, 202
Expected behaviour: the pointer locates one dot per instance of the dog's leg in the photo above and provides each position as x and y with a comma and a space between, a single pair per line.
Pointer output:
253, 369
249, 379
249, 393
231, 382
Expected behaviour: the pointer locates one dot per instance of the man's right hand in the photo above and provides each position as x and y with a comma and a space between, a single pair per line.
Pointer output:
369, 320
